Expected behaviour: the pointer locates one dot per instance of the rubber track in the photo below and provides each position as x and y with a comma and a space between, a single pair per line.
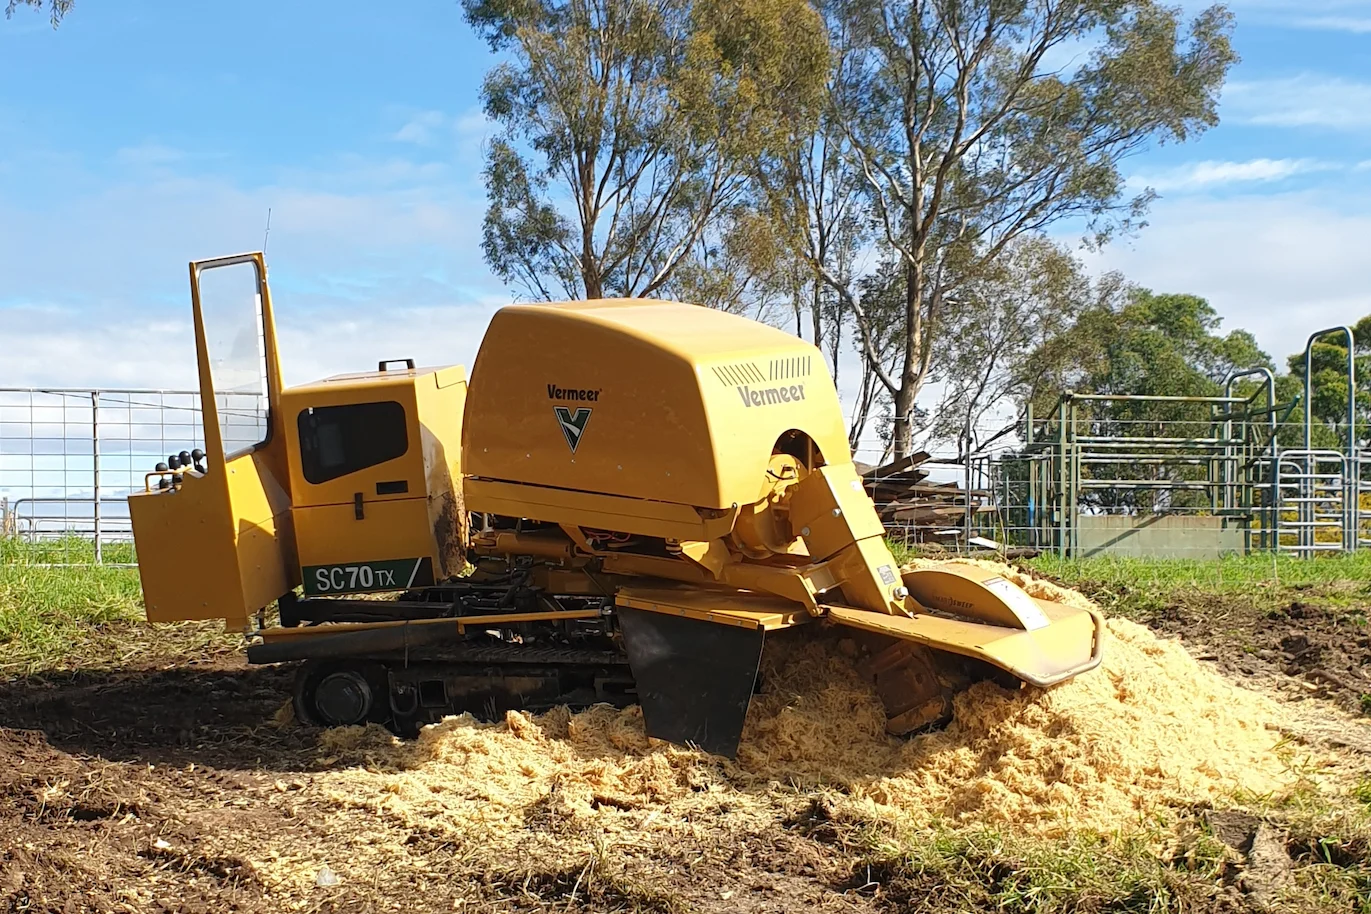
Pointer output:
517, 654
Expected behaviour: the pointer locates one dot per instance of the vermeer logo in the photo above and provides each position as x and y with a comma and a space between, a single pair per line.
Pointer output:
571, 393
768, 395
573, 424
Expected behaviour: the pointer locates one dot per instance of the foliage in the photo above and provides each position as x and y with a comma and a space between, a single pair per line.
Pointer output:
963, 135
56, 8
813, 197
1149, 344
626, 129
990, 358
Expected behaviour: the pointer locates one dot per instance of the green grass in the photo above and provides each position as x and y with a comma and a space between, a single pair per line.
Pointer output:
1136, 586
65, 550
88, 617
1234, 572
1181, 869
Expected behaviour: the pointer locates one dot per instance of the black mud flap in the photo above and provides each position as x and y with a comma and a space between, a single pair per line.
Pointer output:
694, 679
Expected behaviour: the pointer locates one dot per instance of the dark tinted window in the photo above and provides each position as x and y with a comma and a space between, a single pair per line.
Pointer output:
338, 440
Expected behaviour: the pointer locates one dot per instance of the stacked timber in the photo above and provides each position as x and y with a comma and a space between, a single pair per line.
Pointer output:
917, 509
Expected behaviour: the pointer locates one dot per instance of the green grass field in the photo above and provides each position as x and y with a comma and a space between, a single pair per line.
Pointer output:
56, 617
1134, 586
1230, 574
88, 617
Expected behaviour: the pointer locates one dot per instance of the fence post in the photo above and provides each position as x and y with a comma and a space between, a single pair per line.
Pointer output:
95, 472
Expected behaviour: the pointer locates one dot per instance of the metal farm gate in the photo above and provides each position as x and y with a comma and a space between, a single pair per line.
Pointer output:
1191, 475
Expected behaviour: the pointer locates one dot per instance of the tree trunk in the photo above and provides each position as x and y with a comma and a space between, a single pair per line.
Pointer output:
902, 430
816, 318
590, 268
592, 277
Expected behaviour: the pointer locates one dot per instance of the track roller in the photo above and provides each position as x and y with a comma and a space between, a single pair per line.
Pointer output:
340, 694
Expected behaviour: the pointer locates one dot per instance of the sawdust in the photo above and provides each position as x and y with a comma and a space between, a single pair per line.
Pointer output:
1111, 751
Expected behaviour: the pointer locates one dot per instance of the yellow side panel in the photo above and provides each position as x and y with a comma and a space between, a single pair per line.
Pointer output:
440, 398
265, 537
643, 400
392, 529
204, 556
186, 557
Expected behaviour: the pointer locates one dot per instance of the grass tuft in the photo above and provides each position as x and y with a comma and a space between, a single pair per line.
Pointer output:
89, 617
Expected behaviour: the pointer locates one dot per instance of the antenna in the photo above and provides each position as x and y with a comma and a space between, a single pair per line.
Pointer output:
267, 235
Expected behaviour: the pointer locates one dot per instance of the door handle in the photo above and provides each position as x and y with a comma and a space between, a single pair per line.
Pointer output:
357, 506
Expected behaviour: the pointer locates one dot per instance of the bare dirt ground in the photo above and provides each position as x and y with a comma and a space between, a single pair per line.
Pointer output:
1303, 649
132, 790
154, 789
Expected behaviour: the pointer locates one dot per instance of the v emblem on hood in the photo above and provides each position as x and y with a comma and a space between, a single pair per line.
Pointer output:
573, 423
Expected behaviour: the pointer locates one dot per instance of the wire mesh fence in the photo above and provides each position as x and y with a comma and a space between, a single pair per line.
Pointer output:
69, 458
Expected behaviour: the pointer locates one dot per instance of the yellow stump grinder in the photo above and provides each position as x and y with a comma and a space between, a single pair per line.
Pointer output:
618, 506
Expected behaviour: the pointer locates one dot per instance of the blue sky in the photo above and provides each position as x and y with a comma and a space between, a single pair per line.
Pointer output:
142, 134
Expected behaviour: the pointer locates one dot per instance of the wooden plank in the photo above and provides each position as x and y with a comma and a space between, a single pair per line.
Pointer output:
936, 489
897, 466
938, 515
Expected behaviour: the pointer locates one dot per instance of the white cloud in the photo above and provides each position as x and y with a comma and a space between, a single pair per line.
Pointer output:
1354, 24
1306, 100
420, 128
1280, 265
1211, 173
433, 128
61, 347
361, 270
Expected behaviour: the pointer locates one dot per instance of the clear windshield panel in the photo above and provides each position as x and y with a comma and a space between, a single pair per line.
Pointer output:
231, 309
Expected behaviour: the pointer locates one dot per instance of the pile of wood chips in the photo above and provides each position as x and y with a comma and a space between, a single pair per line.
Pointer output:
1113, 751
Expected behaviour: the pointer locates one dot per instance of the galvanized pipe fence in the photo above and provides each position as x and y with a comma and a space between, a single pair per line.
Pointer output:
1190, 475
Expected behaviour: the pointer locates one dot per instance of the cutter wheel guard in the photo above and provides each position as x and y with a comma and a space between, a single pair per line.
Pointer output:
622, 502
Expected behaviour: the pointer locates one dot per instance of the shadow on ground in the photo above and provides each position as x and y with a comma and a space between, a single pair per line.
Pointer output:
218, 714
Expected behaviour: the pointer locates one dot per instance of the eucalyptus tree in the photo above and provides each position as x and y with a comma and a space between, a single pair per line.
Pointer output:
971, 123
56, 8
627, 133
